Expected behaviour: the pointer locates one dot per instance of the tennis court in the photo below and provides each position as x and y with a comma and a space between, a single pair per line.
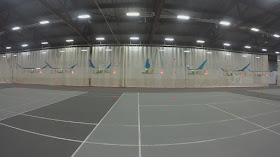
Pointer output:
82, 122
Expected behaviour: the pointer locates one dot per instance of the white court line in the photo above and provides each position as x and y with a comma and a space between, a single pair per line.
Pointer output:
17, 97
29, 91
197, 104
23, 104
246, 97
130, 145
160, 125
35, 133
38, 107
139, 129
95, 128
210, 140
58, 120
244, 120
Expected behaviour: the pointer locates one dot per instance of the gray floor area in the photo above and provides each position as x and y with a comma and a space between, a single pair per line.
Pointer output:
111, 122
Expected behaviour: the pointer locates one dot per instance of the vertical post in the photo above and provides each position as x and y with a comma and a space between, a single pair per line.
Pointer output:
89, 71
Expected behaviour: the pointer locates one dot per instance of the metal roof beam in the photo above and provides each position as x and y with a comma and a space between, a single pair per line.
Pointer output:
68, 21
158, 9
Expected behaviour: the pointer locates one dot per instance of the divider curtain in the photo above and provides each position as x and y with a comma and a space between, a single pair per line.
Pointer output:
125, 66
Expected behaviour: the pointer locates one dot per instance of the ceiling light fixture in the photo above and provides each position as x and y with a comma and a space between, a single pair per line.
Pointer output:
100, 38
15, 28
69, 40
248, 47
225, 23
134, 38
24, 45
183, 17
200, 41
276, 36
84, 16
8, 48
264, 50
45, 43
226, 44
134, 14
255, 29
277, 52
44, 22
169, 39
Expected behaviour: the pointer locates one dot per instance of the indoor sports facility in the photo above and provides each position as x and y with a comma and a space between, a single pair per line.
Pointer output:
139, 78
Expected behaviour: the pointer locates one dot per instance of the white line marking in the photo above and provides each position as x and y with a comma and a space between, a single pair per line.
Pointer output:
244, 119
35, 133
95, 127
23, 104
139, 129
246, 97
222, 103
39, 106
130, 145
17, 97
58, 120
159, 125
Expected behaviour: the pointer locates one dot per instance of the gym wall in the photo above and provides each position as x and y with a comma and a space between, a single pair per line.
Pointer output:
124, 66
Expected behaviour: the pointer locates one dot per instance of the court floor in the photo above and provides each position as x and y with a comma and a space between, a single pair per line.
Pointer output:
106, 122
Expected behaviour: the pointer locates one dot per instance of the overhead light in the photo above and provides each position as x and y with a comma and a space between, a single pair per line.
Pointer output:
84, 50
277, 52
226, 44
134, 38
264, 50
183, 17
225, 23
100, 38
44, 43
228, 54
43, 52
209, 52
278, 60
69, 40
258, 57
133, 14
108, 50
61, 51
4, 56
24, 45
8, 48
187, 51
200, 41
276, 36
16, 28
15, 55
169, 39
255, 29
248, 47
244, 56
44, 22
84, 16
